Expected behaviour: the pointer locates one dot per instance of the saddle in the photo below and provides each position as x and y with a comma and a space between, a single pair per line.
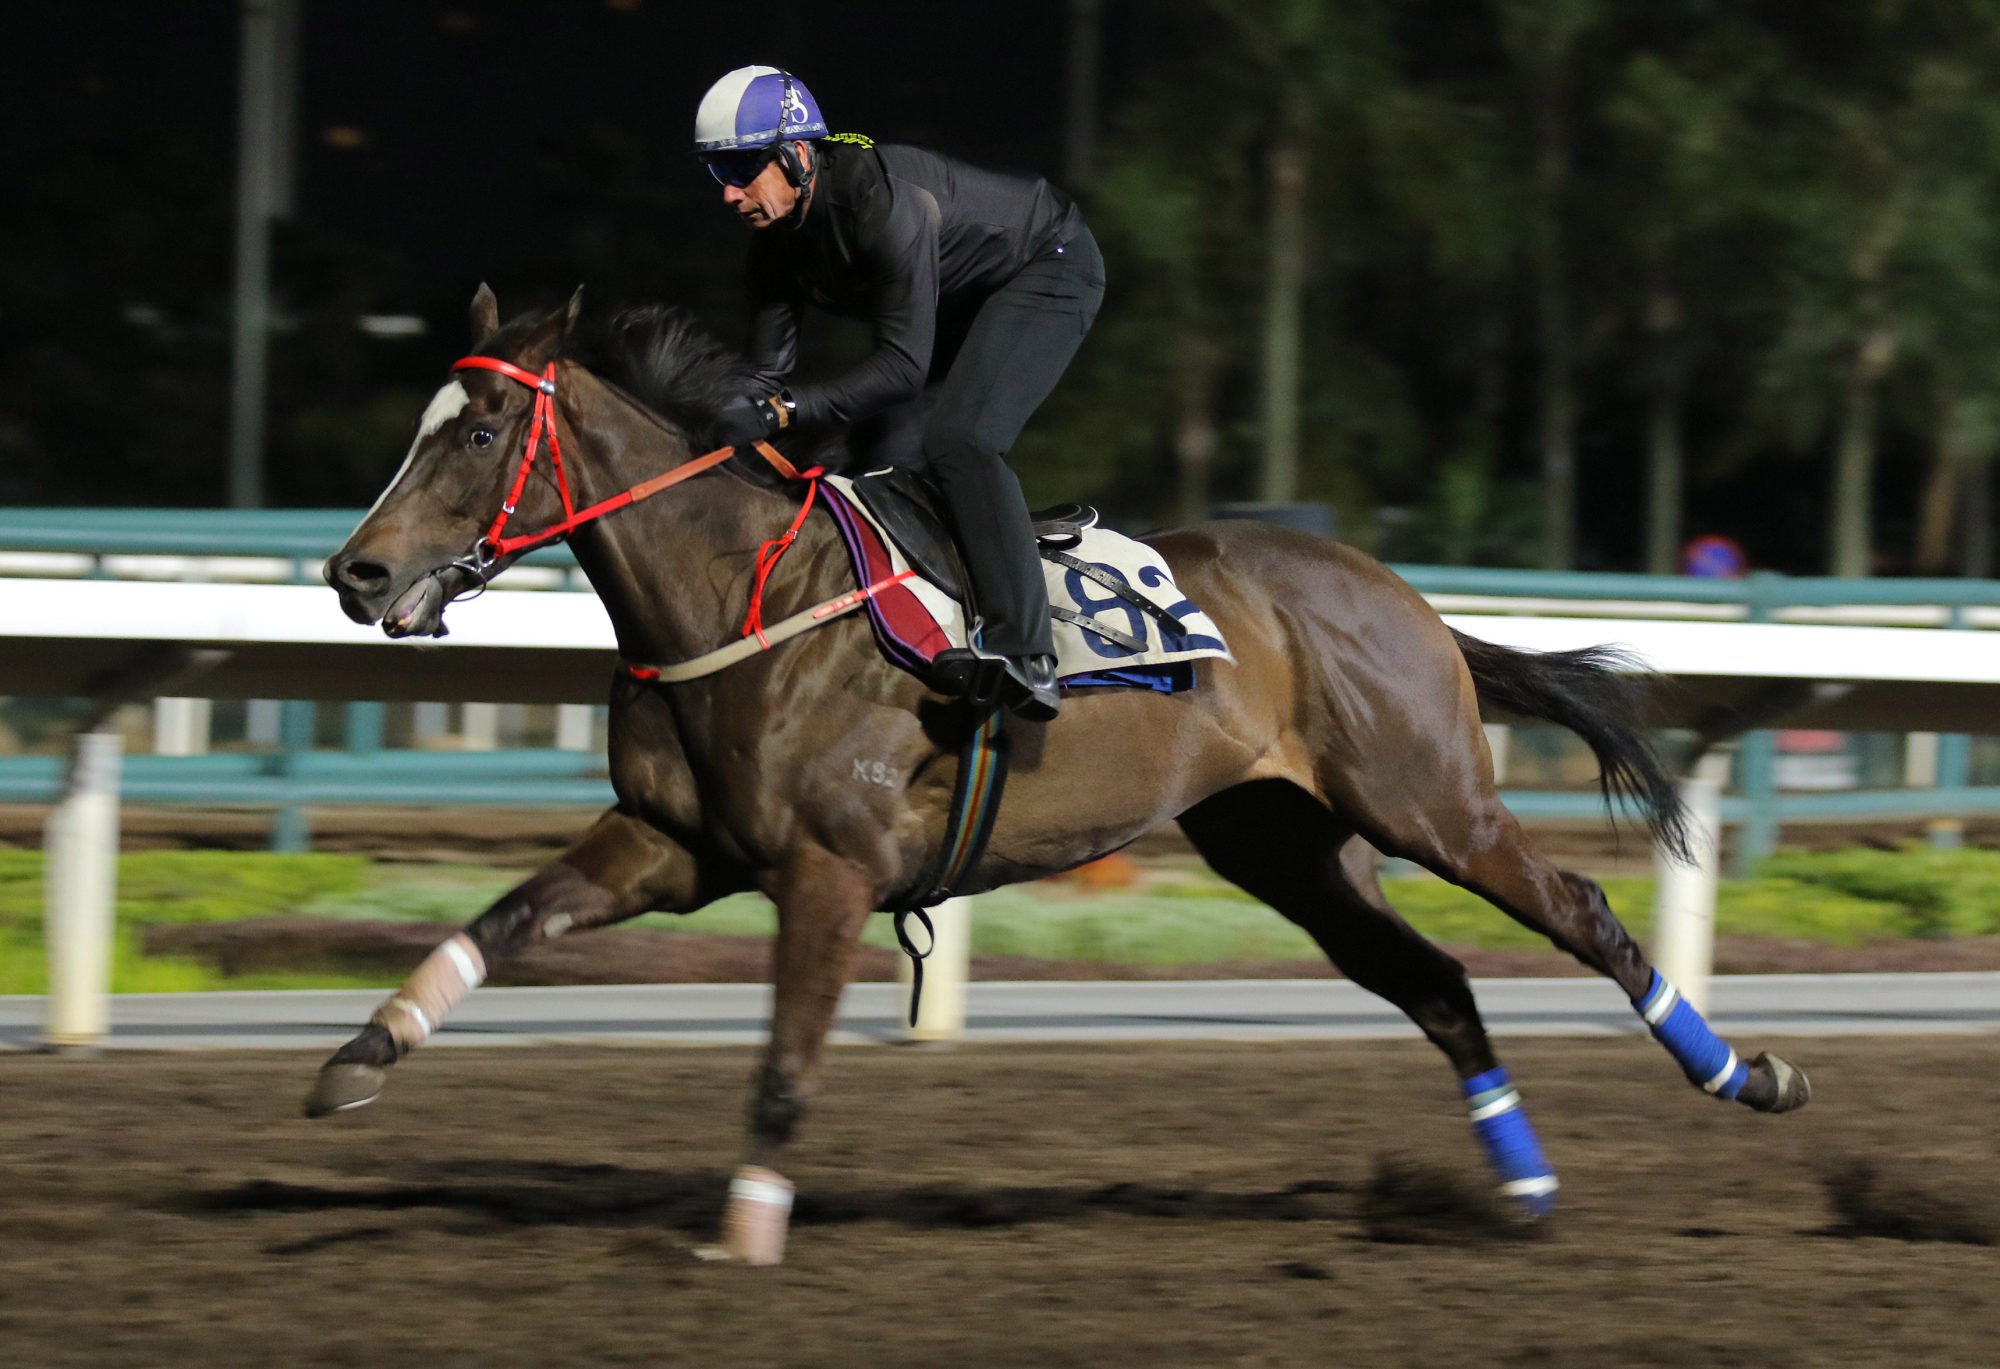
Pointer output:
1119, 620
908, 508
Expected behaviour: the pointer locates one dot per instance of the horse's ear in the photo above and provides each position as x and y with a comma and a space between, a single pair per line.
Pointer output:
572, 312
485, 314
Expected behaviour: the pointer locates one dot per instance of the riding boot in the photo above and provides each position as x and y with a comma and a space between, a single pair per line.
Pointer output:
1013, 659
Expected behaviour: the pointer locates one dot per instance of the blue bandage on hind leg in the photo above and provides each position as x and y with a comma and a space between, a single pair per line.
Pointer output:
1705, 1057
1511, 1147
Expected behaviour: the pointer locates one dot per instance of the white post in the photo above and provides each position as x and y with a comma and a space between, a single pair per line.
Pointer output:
1497, 737
1920, 760
479, 726
260, 721
181, 727
430, 724
576, 726
1684, 900
941, 1013
80, 884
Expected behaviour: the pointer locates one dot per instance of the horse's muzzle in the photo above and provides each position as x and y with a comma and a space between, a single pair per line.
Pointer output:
368, 595
360, 583
419, 610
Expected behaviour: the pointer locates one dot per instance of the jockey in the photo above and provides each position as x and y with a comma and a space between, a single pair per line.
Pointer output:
979, 287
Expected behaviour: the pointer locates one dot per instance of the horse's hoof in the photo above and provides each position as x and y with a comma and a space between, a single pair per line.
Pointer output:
1794, 1090
342, 1088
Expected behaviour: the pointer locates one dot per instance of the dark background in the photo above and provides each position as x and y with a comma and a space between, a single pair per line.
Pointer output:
537, 146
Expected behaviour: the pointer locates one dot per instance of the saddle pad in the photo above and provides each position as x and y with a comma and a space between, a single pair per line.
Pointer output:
915, 620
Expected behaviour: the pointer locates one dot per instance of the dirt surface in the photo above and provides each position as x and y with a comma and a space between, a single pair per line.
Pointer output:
390, 950
1184, 1204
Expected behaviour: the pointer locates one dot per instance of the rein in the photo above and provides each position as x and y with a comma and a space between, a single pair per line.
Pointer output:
495, 545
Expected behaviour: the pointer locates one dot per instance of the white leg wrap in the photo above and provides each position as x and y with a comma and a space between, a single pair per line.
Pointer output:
759, 1211
440, 984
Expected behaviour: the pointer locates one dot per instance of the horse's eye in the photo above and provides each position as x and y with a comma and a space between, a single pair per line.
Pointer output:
481, 437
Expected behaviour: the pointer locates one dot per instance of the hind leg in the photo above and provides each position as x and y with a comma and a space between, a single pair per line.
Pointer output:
1454, 825
620, 868
1282, 845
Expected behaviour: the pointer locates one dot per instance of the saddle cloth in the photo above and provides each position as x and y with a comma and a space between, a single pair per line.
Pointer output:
1143, 633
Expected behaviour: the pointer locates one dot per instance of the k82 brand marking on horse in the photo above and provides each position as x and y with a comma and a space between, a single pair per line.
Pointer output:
720, 778
877, 772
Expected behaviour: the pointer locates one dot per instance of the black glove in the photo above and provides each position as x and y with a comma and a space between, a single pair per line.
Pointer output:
744, 420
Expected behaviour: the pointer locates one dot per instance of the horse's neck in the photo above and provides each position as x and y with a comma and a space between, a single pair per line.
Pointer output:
675, 571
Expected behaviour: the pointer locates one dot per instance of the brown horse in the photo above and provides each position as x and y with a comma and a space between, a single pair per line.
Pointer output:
1350, 720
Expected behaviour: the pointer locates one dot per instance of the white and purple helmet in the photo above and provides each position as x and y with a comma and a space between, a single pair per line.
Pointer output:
755, 107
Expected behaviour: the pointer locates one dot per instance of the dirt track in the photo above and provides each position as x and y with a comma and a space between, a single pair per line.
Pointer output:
1210, 1204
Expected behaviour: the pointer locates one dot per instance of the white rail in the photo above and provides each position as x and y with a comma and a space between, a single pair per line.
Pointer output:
560, 646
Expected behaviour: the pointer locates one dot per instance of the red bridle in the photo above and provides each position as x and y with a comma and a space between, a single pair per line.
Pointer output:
496, 544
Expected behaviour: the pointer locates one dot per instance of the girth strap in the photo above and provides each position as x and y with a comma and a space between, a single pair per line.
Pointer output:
975, 803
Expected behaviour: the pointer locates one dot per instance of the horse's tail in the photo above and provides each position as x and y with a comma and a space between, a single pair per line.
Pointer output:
1594, 693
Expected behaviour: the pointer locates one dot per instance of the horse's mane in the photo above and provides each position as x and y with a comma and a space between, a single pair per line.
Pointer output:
672, 365
668, 362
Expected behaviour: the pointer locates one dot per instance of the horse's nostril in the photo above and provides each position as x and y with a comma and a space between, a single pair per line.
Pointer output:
360, 575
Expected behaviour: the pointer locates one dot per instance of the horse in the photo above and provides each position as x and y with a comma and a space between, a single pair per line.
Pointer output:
1348, 724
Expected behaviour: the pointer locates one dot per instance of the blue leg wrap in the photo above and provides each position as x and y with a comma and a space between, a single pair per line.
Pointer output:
1511, 1147
1704, 1056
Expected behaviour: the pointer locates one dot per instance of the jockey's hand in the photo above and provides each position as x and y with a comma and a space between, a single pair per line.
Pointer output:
744, 420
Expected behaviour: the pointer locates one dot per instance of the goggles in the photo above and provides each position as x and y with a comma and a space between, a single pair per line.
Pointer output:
741, 167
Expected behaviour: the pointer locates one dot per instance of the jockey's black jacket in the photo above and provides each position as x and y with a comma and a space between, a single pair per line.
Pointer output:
888, 232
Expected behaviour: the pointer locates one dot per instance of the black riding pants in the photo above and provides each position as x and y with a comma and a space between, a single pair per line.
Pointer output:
994, 368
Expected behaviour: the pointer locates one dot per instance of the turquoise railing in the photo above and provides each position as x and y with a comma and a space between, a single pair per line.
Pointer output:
294, 775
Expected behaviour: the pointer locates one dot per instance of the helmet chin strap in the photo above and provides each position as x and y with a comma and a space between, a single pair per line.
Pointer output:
805, 188
792, 159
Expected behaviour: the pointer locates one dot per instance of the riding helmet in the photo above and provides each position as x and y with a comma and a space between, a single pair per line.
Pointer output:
754, 107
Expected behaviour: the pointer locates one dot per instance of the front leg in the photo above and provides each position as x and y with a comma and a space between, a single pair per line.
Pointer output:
823, 903
620, 868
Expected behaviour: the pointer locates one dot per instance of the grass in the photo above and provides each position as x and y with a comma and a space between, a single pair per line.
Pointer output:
171, 886
1181, 918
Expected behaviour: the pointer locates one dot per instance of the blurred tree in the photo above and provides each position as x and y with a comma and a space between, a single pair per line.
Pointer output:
1311, 71
1681, 192
1543, 37
1871, 145
1172, 207
1951, 293
1169, 216
1451, 220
